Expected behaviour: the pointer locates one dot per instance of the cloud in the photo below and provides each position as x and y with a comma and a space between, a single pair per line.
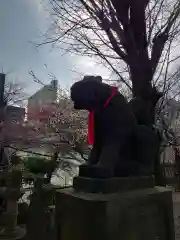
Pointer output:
19, 56
37, 6
82, 65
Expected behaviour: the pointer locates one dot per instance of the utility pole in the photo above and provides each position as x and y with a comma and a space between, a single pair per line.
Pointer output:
2, 83
2, 116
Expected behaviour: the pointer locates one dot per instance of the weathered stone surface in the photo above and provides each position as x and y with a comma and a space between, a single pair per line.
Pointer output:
135, 214
112, 185
39, 220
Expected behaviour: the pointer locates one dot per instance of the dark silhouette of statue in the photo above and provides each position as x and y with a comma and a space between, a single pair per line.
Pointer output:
121, 147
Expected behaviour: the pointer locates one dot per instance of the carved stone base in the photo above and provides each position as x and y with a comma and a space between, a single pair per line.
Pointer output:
111, 185
126, 169
143, 214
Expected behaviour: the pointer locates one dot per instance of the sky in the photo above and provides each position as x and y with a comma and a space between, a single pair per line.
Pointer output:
22, 23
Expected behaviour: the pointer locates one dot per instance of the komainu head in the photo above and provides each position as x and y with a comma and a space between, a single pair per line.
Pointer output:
89, 93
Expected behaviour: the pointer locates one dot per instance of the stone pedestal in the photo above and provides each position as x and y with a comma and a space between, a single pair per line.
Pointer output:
111, 185
133, 214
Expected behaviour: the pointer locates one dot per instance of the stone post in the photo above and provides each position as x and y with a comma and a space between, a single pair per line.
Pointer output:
12, 193
39, 223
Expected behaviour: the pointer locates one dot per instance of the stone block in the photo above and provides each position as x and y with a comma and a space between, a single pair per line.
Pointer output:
112, 185
142, 214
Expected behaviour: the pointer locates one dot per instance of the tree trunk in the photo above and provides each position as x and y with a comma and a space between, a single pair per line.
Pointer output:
143, 105
145, 98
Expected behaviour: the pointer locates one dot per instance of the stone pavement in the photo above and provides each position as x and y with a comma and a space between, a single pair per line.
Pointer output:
176, 200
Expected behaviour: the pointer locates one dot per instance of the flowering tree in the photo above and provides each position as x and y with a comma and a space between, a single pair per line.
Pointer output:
61, 123
54, 127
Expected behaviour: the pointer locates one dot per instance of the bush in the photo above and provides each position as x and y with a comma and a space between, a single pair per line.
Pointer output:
37, 165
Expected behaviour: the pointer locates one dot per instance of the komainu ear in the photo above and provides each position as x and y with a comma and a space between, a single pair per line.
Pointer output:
98, 78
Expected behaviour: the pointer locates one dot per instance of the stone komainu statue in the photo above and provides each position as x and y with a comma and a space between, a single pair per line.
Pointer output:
121, 147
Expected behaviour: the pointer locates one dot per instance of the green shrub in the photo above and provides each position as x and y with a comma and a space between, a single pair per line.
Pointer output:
37, 165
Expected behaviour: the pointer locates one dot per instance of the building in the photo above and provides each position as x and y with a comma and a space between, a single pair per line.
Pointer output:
15, 114
167, 121
47, 94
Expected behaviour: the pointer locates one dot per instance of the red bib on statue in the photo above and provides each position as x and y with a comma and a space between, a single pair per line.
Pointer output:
90, 137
